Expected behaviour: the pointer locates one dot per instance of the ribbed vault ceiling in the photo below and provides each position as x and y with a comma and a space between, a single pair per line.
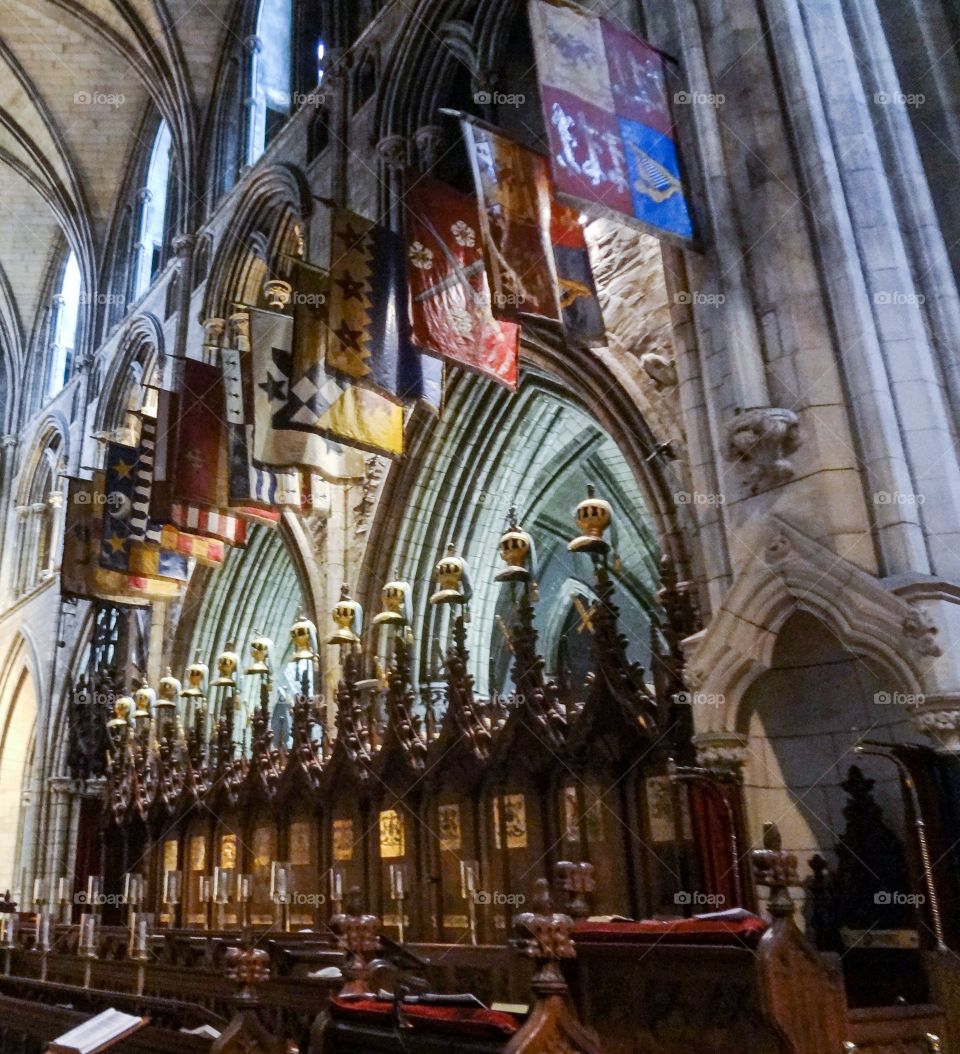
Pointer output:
78, 81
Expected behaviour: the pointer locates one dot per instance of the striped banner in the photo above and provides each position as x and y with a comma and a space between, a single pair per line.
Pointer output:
226, 527
143, 479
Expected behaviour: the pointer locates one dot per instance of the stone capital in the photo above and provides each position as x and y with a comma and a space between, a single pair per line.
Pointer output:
722, 751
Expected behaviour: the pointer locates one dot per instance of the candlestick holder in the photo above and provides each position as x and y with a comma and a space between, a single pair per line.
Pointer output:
205, 896
469, 870
222, 892
244, 895
280, 889
140, 927
8, 938
87, 944
65, 898
42, 940
336, 890
94, 893
172, 883
398, 894
40, 894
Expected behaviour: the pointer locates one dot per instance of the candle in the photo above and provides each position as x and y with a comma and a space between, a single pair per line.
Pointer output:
205, 889
8, 931
278, 881
468, 878
222, 883
336, 885
243, 888
171, 888
141, 935
132, 889
88, 935
42, 932
39, 892
396, 881
64, 890
94, 887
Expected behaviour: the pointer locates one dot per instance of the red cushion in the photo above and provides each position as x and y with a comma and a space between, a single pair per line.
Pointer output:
674, 931
468, 1021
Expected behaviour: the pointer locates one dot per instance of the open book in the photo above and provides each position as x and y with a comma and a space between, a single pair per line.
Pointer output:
99, 1033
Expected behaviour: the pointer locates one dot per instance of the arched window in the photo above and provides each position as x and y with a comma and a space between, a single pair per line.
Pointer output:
63, 327
271, 75
153, 212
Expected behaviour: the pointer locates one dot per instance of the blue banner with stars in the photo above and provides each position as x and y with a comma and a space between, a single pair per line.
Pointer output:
120, 491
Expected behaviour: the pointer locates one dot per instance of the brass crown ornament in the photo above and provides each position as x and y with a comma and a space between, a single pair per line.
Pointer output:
169, 688
518, 552
593, 516
452, 579
196, 678
122, 708
144, 698
396, 604
228, 662
260, 648
348, 618
303, 634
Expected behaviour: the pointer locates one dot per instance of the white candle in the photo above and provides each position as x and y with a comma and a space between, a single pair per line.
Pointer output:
171, 887
64, 890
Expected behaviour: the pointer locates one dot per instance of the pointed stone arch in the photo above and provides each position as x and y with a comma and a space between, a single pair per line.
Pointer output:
19, 705
788, 571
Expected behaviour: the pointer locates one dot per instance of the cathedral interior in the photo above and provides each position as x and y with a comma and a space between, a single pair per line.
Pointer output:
477, 568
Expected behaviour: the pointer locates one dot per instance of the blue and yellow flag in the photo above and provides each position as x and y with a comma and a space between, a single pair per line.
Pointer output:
121, 481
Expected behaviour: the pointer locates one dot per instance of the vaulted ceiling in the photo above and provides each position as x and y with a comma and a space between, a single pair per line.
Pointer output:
81, 85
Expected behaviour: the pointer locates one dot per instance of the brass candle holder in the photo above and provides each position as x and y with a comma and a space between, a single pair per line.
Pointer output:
172, 884
398, 894
469, 871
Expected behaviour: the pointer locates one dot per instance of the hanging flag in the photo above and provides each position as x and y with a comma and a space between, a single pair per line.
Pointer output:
367, 326
311, 400
607, 113
143, 478
81, 574
513, 189
217, 524
199, 473
583, 324
532, 242
117, 509
448, 284
155, 561
273, 444
208, 551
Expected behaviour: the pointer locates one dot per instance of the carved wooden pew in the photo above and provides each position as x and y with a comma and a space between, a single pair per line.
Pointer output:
357, 1022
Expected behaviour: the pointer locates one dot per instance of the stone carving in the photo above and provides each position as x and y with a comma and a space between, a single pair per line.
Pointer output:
429, 141
921, 631
722, 751
393, 151
761, 441
661, 370
363, 510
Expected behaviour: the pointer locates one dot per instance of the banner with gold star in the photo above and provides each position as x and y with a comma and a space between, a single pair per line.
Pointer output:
81, 574
367, 318
121, 477
606, 107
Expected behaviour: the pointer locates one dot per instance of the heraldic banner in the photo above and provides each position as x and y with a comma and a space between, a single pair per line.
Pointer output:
607, 113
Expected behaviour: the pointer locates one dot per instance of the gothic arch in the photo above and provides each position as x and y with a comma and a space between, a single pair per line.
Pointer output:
791, 572
140, 352
264, 227
19, 705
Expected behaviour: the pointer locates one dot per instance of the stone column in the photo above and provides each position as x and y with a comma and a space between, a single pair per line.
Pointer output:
183, 246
